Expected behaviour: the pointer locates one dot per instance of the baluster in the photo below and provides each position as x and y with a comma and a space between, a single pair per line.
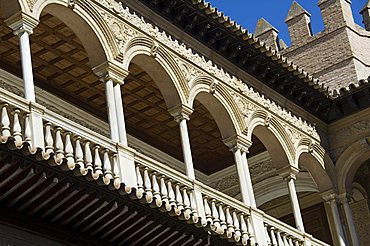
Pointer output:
244, 230
285, 241
171, 196
49, 141
148, 186
290, 241
222, 217
193, 204
296, 243
79, 155
216, 218
107, 167
179, 199
27, 130
140, 183
251, 232
59, 146
5, 123
116, 172
230, 223
69, 152
156, 191
237, 233
268, 240
17, 129
187, 204
88, 157
207, 210
279, 239
164, 194
273, 238
97, 163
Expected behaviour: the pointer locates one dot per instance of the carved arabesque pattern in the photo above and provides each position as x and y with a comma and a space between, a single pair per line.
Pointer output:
181, 52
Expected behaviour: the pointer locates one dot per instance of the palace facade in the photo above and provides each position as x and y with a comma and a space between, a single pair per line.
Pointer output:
164, 122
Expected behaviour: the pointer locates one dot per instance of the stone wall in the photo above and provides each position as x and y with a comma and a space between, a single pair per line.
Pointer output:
339, 55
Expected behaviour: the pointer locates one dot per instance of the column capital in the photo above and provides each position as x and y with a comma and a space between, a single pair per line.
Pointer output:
111, 71
238, 142
22, 22
181, 112
289, 172
329, 196
344, 198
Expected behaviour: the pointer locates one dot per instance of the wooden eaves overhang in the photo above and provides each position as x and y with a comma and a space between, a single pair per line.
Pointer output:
223, 35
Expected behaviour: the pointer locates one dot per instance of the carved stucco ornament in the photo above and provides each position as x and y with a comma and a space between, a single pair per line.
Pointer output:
138, 26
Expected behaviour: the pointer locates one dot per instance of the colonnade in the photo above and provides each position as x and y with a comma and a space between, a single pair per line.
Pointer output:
113, 76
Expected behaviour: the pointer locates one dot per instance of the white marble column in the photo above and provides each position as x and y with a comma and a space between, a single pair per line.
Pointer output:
111, 109
289, 175
344, 201
181, 114
331, 199
248, 179
242, 175
122, 134
23, 26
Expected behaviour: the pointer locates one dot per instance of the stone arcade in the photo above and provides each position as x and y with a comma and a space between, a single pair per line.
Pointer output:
163, 122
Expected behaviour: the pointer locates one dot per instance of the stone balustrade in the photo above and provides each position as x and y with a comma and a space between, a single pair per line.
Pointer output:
86, 153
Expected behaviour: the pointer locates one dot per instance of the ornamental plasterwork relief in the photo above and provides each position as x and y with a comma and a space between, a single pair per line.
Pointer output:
31, 3
189, 71
181, 50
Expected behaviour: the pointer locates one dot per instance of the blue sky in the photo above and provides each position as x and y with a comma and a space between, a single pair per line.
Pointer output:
247, 13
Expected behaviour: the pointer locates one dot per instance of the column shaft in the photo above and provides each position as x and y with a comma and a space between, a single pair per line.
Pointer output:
241, 175
295, 204
185, 142
111, 108
248, 179
337, 222
120, 115
351, 225
25, 49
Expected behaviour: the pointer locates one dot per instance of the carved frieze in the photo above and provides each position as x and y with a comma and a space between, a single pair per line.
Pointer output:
129, 25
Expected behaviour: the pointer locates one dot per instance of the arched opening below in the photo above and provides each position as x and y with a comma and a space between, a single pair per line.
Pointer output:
61, 66
272, 145
312, 210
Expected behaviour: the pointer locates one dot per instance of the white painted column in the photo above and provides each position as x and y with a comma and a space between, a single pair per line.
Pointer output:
349, 219
242, 176
248, 179
111, 109
330, 199
181, 115
120, 114
295, 203
185, 142
26, 60
23, 26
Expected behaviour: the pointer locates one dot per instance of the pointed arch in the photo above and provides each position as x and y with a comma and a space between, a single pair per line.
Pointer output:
273, 136
219, 103
160, 66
